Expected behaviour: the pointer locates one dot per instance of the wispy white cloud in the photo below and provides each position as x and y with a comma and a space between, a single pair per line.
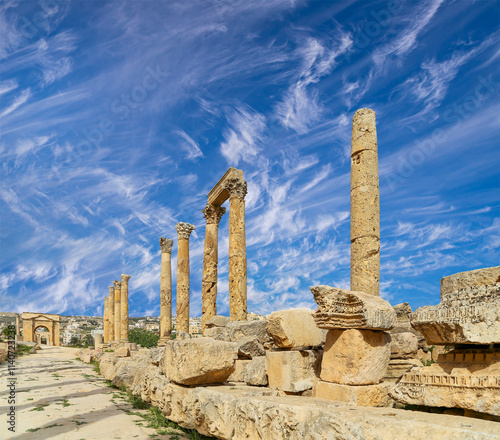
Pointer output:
18, 102
190, 146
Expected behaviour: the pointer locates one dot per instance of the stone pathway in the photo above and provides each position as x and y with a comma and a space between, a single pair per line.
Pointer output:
61, 398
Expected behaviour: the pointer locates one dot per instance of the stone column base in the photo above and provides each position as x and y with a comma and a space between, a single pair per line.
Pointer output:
359, 395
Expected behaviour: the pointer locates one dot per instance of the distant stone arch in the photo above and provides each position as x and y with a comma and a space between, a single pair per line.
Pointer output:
33, 321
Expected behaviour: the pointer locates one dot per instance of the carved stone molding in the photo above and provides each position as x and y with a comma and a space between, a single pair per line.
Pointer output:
213, 213
166, 245
125, 278
117, 284
236, 187
184, 230
111, 290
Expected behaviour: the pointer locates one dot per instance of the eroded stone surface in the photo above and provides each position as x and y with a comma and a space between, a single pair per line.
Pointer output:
255, 372
294, 328
355, 357
361, 395
404, 345
183, 231
198, 361
165, 289
292, 371
345, 309
250, 347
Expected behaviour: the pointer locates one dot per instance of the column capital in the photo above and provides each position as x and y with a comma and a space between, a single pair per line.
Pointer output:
213, 213
236, 187
117, 284
166, 245
125, 278
111, 290
184, 230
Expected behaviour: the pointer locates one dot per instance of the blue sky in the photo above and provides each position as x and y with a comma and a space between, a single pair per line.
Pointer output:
118, 117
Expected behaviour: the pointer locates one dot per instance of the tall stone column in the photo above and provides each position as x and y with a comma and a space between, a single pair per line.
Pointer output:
165, 290
365, 205
183, 232
118, 309
237, 189
111, 314
105, 320
18, 327
124, 308
212, 214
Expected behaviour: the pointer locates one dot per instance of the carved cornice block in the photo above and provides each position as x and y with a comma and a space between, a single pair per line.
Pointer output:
345, 309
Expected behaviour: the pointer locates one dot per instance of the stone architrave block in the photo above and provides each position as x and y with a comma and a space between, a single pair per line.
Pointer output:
470, 314
363, 395
199, 361
294, 328
404, 345
345, 309
236, 330
355, 357
292, 371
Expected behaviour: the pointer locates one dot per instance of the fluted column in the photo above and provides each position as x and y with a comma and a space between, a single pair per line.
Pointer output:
165, 290
111, 314
212, 214
124, 308
237, 189
118, 310
105, 320
365, 205
183, 232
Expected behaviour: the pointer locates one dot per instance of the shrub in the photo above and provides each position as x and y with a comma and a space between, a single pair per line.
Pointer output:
143, 337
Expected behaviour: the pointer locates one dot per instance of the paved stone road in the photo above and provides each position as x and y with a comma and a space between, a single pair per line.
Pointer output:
61, 398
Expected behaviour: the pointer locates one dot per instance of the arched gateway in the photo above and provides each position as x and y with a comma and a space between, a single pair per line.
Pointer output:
32, 321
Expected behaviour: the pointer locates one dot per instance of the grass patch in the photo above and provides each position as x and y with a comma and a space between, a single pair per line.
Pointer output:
40, 407
22, 349
95, 364
33, 429
56, 375
80, 423
53, 426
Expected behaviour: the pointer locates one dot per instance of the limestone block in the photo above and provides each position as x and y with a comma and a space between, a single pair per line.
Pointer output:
86, 358
250, 347
199, 361
470, 279
255, 372
355, 357
122, 352
294, 328
217, 321
359, 395
237, 330
345, 309
468, 315
157, 355
238, 375
404, 346
468, 379
182, 335
292, 371
398, 367
126, 370
215, 332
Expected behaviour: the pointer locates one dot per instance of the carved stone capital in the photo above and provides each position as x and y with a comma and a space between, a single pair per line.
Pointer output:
125, 278
213, 213
166, 245
184, 230
111, 290
236, 187
117, 284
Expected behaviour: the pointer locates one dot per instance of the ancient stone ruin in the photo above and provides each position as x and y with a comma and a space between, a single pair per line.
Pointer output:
340, 372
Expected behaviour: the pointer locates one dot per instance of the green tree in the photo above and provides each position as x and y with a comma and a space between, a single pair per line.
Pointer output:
74, 341
88, 340
144, 337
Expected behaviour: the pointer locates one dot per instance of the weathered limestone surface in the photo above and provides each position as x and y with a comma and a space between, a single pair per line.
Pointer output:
366, 395
292, 371
237, 330
255, 372
468, 379
250, 347
468, 315
238, 375
111, 313
355, 357
199, 361
237, 189
403, 345
217, 321
118, 309
212, 214
124, 308
365, 209
345, 309
165, 290
97, 340
294, 328
184, 231
106, 320
398, 367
